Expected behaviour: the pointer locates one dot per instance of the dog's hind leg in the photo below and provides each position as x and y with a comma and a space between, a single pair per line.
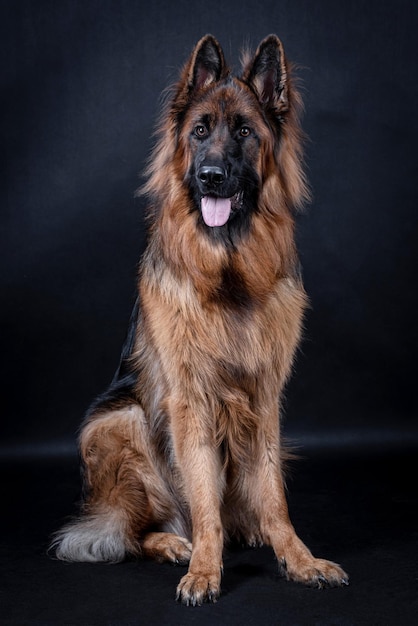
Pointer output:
116, 505
125, 495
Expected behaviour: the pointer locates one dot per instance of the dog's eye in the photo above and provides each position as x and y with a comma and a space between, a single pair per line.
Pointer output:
200, 130
245, 131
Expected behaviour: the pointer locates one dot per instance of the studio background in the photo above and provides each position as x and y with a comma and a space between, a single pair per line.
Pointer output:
81, 84
81, 93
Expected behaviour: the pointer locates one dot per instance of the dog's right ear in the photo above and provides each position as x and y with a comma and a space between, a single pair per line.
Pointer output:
205, 66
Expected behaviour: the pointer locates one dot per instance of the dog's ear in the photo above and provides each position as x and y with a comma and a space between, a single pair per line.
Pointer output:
266, 74
206, 65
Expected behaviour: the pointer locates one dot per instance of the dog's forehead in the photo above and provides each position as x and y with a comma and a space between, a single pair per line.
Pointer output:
228, 101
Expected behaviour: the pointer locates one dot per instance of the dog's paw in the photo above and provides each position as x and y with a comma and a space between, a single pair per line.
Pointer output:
254, 541
196, 588
167, 547
316, 573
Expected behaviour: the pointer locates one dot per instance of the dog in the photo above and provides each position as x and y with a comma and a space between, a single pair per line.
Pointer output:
183, 451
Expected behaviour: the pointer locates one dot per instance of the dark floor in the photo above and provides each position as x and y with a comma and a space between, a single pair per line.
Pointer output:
356, 508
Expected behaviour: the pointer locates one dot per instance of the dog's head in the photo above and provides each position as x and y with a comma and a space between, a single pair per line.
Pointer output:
232, 142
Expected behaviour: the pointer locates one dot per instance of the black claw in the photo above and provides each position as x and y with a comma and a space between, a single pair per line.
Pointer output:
212, 596
283, 567
322, 582
345, 581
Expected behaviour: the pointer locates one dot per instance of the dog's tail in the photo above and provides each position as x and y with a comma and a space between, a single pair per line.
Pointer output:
95, 538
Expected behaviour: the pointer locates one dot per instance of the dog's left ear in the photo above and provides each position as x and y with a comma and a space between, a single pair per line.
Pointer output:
267, 75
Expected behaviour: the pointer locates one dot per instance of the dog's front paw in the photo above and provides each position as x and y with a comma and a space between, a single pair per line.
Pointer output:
317, 573
196, 588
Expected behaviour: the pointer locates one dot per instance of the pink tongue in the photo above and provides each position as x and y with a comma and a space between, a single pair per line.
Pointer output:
215, 211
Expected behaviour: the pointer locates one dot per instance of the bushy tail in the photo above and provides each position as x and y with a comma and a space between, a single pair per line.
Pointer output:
94, 538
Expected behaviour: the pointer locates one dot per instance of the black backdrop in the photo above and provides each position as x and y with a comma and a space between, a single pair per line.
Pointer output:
80, 92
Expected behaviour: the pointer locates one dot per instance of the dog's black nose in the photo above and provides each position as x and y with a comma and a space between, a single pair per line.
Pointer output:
211, 175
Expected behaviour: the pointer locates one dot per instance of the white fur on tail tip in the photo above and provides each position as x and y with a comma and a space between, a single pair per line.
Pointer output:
93, 538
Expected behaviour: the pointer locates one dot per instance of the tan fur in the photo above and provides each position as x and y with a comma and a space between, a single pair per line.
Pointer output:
194, 453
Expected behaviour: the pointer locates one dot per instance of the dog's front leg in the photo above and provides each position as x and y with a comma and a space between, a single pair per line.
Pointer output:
268, 494
200, 467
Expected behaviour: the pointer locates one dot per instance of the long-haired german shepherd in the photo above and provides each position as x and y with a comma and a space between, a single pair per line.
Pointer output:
183, 450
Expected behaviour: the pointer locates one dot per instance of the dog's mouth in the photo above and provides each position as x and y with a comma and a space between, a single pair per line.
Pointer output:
216, 211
